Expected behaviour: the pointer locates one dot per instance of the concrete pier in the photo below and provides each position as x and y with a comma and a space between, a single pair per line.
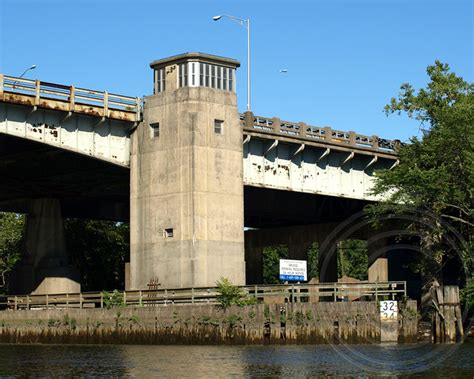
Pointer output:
45, 266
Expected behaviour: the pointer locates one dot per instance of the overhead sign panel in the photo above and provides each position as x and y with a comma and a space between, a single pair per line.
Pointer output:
293, 270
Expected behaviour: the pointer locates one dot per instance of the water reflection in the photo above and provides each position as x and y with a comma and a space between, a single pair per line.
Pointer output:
355, 361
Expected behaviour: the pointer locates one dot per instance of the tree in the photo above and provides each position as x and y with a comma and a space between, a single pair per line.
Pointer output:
435, 174
352, 259
11, 232
271, 263
99, 250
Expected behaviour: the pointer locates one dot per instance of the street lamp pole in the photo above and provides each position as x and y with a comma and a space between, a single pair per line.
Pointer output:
245, 24
32, 67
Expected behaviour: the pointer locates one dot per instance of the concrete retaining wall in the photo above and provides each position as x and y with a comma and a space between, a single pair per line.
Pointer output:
296, 323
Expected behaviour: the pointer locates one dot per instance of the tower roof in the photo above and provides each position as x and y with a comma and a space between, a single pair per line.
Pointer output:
201, 57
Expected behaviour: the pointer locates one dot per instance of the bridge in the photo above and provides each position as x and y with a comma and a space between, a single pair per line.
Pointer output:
184, 167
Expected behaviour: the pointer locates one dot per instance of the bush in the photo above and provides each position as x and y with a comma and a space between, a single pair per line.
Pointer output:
230, 294
114, 299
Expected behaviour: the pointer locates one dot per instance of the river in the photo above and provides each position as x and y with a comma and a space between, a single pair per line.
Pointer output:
348, 361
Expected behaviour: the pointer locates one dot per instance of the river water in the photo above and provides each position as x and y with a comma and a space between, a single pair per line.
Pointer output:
328, 361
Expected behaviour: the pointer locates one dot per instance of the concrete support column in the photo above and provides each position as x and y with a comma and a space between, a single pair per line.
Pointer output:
45, 264
377, 260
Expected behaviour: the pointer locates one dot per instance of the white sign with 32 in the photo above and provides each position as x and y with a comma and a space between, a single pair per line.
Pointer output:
388, 310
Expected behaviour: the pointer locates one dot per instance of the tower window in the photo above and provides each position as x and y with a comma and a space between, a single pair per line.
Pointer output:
218, 126
168, 233
155, 129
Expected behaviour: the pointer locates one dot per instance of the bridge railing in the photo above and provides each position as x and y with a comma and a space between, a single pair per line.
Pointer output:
280, 293
70, 94
324, 134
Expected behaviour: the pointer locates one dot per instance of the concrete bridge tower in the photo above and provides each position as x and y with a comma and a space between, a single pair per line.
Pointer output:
186, 185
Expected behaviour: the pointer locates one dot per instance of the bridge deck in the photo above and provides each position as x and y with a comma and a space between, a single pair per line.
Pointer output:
69, 99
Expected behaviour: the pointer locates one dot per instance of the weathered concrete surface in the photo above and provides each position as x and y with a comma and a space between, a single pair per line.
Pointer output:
44, 266
187, 181
102, 139
357, 322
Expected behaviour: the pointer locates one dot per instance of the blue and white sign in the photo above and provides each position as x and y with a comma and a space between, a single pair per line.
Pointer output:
293, 270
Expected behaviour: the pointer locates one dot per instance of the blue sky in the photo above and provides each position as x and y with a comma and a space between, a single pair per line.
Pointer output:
345, 58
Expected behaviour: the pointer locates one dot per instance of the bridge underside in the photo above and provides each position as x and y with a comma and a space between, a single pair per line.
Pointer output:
86, 187
94, 189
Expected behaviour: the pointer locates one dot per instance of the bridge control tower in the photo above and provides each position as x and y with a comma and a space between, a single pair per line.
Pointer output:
186, 184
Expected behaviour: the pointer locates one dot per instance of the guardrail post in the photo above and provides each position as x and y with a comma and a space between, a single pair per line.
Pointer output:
28, 302
375, 142
302, 129
72, 98
37, 91
80, 300
47, 301
248, 120
124, 298
166, 296
16, 303
335, 292
293, 294
106, 104
140, 298
101, 300
327, 133
67, 300
376, 291
276, 125
192, 295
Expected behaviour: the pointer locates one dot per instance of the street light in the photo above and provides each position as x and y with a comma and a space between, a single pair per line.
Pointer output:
32, 67
245, 24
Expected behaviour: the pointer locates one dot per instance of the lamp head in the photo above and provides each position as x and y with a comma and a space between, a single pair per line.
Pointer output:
217, 18
33, 66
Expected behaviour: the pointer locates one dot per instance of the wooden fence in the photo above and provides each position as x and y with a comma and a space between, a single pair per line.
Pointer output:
292, 293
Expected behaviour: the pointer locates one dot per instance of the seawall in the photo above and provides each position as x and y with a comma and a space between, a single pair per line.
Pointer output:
289, 323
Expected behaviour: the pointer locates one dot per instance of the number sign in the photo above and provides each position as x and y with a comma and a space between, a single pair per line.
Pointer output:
388, 310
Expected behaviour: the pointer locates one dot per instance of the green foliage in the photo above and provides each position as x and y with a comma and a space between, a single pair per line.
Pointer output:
435, 176
99, 250
233, 321
112, 299
229, 294
352, 259
312, 256
467, 295
69, 322
271, 263
11, 233
299, 318
54, 323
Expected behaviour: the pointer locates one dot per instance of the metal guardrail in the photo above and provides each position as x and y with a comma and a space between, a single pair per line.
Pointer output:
317, 134
266, 293
39, 90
